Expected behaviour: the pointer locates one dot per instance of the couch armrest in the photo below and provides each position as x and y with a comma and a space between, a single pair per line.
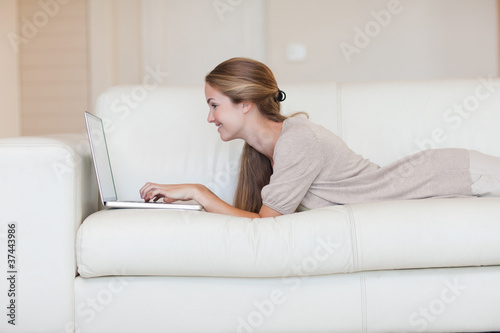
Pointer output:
47, 189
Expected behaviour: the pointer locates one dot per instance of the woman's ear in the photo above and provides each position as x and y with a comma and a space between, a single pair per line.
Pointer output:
246, 106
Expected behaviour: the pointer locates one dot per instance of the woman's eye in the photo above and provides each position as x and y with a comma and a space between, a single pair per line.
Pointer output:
214, 106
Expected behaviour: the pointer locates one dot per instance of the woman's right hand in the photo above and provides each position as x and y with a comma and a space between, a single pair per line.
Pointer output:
199, 193
169, 193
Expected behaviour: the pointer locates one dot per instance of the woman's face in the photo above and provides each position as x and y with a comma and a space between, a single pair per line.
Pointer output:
227, 116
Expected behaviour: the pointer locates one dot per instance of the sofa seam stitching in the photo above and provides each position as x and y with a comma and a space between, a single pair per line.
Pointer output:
356, 268
364, 317
354, 241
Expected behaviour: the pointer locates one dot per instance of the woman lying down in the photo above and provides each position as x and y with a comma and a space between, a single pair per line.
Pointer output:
290, 163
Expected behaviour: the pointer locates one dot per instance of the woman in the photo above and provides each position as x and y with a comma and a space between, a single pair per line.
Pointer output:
290, 163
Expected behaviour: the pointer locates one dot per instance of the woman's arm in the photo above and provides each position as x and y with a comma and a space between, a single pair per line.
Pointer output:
210, 202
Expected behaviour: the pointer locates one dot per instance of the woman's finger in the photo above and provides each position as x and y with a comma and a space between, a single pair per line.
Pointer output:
150, 195
148, 187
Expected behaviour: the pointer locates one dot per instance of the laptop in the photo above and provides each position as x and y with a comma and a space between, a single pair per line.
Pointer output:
104, 174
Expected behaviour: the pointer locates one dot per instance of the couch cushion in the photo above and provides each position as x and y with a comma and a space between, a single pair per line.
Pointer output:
340, 239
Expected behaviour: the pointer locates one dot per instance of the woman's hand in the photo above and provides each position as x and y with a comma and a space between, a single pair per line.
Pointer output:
199, 193
169, 193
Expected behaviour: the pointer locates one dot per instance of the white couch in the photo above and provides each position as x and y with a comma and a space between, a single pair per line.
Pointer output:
403, 266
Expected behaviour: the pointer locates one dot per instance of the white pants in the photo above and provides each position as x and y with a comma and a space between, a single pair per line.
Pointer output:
485, 174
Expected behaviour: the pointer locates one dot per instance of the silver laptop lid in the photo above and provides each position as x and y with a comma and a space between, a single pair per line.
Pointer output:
99, 148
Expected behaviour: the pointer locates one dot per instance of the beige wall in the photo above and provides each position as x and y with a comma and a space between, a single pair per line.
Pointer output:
43, 86
53, 66
123, 41
114, 41
406, 40
179, 41
187, 39
10, 115
418, 40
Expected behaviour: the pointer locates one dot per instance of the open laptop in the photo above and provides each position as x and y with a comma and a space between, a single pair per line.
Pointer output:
104, 174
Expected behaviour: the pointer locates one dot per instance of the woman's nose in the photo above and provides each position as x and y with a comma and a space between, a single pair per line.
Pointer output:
210, 117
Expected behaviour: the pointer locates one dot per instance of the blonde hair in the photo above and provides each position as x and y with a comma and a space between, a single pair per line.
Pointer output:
243, 79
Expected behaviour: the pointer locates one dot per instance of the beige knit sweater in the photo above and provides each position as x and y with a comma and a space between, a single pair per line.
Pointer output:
315, 168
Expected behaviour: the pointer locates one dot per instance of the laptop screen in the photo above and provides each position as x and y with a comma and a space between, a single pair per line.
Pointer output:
95, 130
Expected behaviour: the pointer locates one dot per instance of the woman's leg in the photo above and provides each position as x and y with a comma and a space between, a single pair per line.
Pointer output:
485, 173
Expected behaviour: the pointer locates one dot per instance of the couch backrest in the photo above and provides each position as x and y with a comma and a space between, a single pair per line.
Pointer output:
386, 121
162, 134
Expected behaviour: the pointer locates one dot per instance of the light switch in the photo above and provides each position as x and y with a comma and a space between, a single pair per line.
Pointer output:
296, 52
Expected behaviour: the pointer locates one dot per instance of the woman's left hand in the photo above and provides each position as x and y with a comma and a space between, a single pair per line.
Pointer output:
169, 193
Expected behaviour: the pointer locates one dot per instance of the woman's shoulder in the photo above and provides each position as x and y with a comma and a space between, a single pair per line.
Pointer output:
296, 142
300, 126
298, 133
301, 131
298, 123
296, 128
